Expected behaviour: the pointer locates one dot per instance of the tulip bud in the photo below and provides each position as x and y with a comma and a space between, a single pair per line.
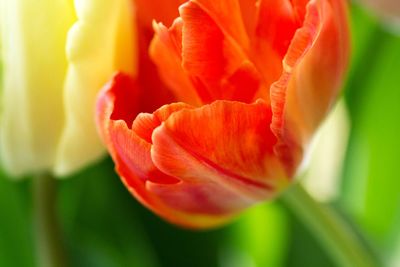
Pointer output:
56, 56
251, 83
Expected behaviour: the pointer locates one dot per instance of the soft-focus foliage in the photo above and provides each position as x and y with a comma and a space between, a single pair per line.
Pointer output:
371, 190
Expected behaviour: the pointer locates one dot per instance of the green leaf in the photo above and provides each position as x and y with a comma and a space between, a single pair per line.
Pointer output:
371, 188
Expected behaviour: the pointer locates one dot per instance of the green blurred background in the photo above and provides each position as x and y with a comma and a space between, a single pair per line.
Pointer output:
103, 226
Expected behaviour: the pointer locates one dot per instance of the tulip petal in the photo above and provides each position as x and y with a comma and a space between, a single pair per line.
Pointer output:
155, 92
130, 152
311, 76
100, 42
254, 10
300, 8
203, 197
211, 58
126, 144
318, 77
277, 23
228, 16
192, 178
159, 10
130, 149
34, 67
228, 144
275, 28
249, 12
301, 43
165, 51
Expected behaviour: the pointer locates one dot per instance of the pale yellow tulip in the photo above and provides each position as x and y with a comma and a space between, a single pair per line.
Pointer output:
56, 56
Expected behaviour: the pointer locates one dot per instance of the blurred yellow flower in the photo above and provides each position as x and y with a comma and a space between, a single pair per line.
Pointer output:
56, 55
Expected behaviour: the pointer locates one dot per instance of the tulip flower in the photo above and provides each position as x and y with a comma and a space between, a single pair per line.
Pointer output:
250, 80
56, 55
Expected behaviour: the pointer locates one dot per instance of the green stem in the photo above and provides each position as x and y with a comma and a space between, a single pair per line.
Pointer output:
343, 245
49, 249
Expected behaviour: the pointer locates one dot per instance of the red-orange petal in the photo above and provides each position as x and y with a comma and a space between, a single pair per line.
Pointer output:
313, 70
275, 27
154, 92
124, 108
228, 144
249, 12
319, 76
166, 53
131, 153
211, 57
196, 167
277, 23
228, 17
159, 10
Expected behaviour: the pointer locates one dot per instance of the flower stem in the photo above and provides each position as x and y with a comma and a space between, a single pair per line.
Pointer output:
49, 249
343, 245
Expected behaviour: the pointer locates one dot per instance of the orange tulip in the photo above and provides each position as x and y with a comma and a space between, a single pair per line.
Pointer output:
250, 81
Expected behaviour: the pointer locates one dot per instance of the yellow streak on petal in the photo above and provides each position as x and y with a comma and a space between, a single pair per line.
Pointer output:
100, 43
33, 37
